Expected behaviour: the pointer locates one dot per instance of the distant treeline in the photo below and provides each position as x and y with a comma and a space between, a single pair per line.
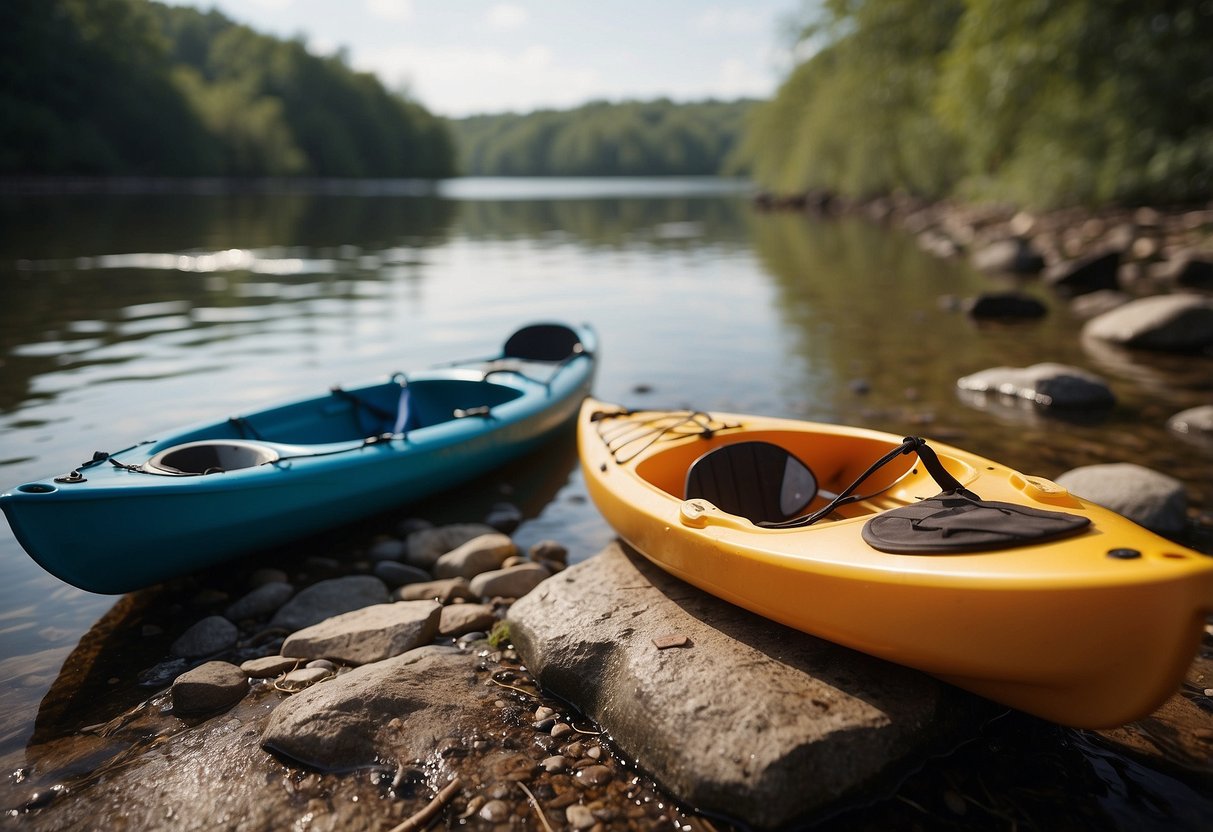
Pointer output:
133, 88
654, 138
1040, 102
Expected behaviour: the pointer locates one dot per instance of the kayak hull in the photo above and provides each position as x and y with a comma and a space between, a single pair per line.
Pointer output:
1060, 628
133, 519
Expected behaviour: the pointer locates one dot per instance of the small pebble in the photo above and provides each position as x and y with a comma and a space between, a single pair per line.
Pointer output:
544, 712
579, 817
549, 550
305, 676
495, 811
268, 666
561, 729
504, 517
555, 763
324, 664
595, 775
389, 549
471, 638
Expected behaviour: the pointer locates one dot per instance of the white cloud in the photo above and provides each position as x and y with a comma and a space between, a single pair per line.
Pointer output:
461, 81
274, 5
398, 10
507, 16
738, 78
725, 20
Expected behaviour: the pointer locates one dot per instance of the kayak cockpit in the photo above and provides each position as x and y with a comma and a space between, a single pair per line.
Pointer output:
210, 457
343, 418
770, 476
353, 414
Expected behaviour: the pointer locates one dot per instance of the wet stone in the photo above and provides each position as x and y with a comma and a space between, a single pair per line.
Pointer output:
388, 550
162, 673
306, 676
504, 517
268, 666
444, 591
330, 598
557, 762
549, 550
367, 635
208, 687
262, 602
211, 635
594, 775
398, 574
471, 638
1049, 385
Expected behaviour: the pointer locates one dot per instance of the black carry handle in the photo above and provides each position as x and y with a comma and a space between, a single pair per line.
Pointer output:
911, 444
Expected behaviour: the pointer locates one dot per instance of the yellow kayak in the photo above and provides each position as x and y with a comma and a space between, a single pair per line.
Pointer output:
920, 553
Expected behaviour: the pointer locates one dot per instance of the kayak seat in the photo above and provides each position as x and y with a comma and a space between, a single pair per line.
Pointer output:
543, 342
759, 481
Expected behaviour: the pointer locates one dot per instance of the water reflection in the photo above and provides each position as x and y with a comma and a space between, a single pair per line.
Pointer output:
125, 314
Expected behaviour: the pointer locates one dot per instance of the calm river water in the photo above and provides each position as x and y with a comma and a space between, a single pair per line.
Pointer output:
122, 314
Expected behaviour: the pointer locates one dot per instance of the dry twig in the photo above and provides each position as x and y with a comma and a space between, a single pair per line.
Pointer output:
538, 808
421, 819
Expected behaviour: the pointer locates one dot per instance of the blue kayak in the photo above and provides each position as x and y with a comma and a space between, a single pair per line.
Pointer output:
211, 492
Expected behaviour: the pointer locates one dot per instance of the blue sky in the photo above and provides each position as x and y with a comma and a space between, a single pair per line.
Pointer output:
459, 57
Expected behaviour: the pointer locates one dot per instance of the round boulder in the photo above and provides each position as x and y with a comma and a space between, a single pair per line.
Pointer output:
1147, 497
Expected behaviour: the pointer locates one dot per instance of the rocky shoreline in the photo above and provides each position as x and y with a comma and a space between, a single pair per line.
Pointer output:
441, 676
515, 692
1140, 280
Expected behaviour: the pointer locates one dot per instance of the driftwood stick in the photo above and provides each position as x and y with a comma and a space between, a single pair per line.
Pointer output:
421, 819
538, 809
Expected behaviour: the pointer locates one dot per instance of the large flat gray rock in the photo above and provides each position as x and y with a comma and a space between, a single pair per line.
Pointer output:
367, 635
396, 709
747, 718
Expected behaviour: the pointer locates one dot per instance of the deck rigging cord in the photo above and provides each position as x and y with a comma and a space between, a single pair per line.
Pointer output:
631, 438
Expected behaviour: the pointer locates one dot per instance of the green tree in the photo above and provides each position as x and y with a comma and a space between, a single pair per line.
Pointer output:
131, 87
630, 138
87, 89
1043, 102
857, 116
1083, 100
